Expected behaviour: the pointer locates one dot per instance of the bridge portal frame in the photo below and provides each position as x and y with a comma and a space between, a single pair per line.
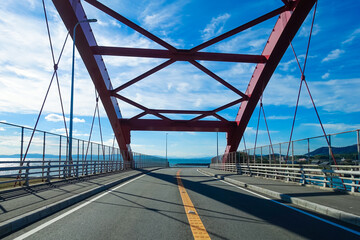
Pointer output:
291, 16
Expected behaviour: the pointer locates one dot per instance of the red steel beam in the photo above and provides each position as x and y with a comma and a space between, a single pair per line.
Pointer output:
240, 29
180, 111
178, 125
139, 115
144, 75
71, 13
220, 117
131, 24
218, 109
135, 104
178, 55
219, 79
284, 31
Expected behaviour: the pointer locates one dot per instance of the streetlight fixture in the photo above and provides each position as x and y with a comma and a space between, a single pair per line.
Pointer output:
72, 86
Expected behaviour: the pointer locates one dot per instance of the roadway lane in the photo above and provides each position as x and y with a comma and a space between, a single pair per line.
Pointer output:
151, 208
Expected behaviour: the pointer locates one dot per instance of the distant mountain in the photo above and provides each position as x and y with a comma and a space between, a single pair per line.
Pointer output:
336, 150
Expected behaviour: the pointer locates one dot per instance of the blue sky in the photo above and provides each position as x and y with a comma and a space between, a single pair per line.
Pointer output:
332, 71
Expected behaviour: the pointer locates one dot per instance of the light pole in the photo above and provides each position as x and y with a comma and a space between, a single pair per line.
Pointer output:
72, 87
217, 146
166, 147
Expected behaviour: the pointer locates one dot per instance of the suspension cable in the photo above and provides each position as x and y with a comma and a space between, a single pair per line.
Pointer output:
91, 129
257, 130
98, 114
311, 31
42, 107
293, 123
57, 81
247, 154
113, 149
267, 128
302, 77
308, 90
55, 67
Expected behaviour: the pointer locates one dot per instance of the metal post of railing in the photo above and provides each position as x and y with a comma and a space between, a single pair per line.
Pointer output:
107, 163
330, 159
67, 159
87, 164
22, 144
280, 156
83, 158
358, 144
261, 155
118, 160
43, 159
60, 158
110, 160
308, 154
254, 157
270, 155
292, 151
27, 174
78, 157
99, 154
48, 172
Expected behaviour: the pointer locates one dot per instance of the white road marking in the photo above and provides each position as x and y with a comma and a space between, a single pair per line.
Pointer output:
44, 225
295, 209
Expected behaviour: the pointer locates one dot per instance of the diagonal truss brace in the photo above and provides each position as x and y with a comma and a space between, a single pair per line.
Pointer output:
71, 13
287, 25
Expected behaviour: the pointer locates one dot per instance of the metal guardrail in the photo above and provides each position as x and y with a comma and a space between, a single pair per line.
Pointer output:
47, 171
345, 146
329, 176
47, 158
300, 166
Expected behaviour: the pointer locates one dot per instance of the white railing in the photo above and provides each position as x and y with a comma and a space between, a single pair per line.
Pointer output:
47, 158
326, 176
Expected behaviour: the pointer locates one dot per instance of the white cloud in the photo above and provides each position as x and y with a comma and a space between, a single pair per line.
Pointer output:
285, 66
250, 40
325, 76
62, 131
352, 36
252, 131
279, 117
327, 94
162, 17
215, 27
2, 129
59, 118
305, 30
334, 127
334, 54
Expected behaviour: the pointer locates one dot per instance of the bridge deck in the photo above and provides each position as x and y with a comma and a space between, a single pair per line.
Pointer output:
19, 207
151, 208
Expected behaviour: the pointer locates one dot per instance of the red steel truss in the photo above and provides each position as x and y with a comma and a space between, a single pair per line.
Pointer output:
290, 17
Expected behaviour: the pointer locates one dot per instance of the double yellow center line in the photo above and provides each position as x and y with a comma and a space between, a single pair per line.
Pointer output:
196, 225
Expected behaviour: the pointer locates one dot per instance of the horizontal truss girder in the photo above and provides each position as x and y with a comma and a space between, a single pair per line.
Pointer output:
178, 55
178, 125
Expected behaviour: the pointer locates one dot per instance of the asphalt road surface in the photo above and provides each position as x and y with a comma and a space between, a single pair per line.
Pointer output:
152, 207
